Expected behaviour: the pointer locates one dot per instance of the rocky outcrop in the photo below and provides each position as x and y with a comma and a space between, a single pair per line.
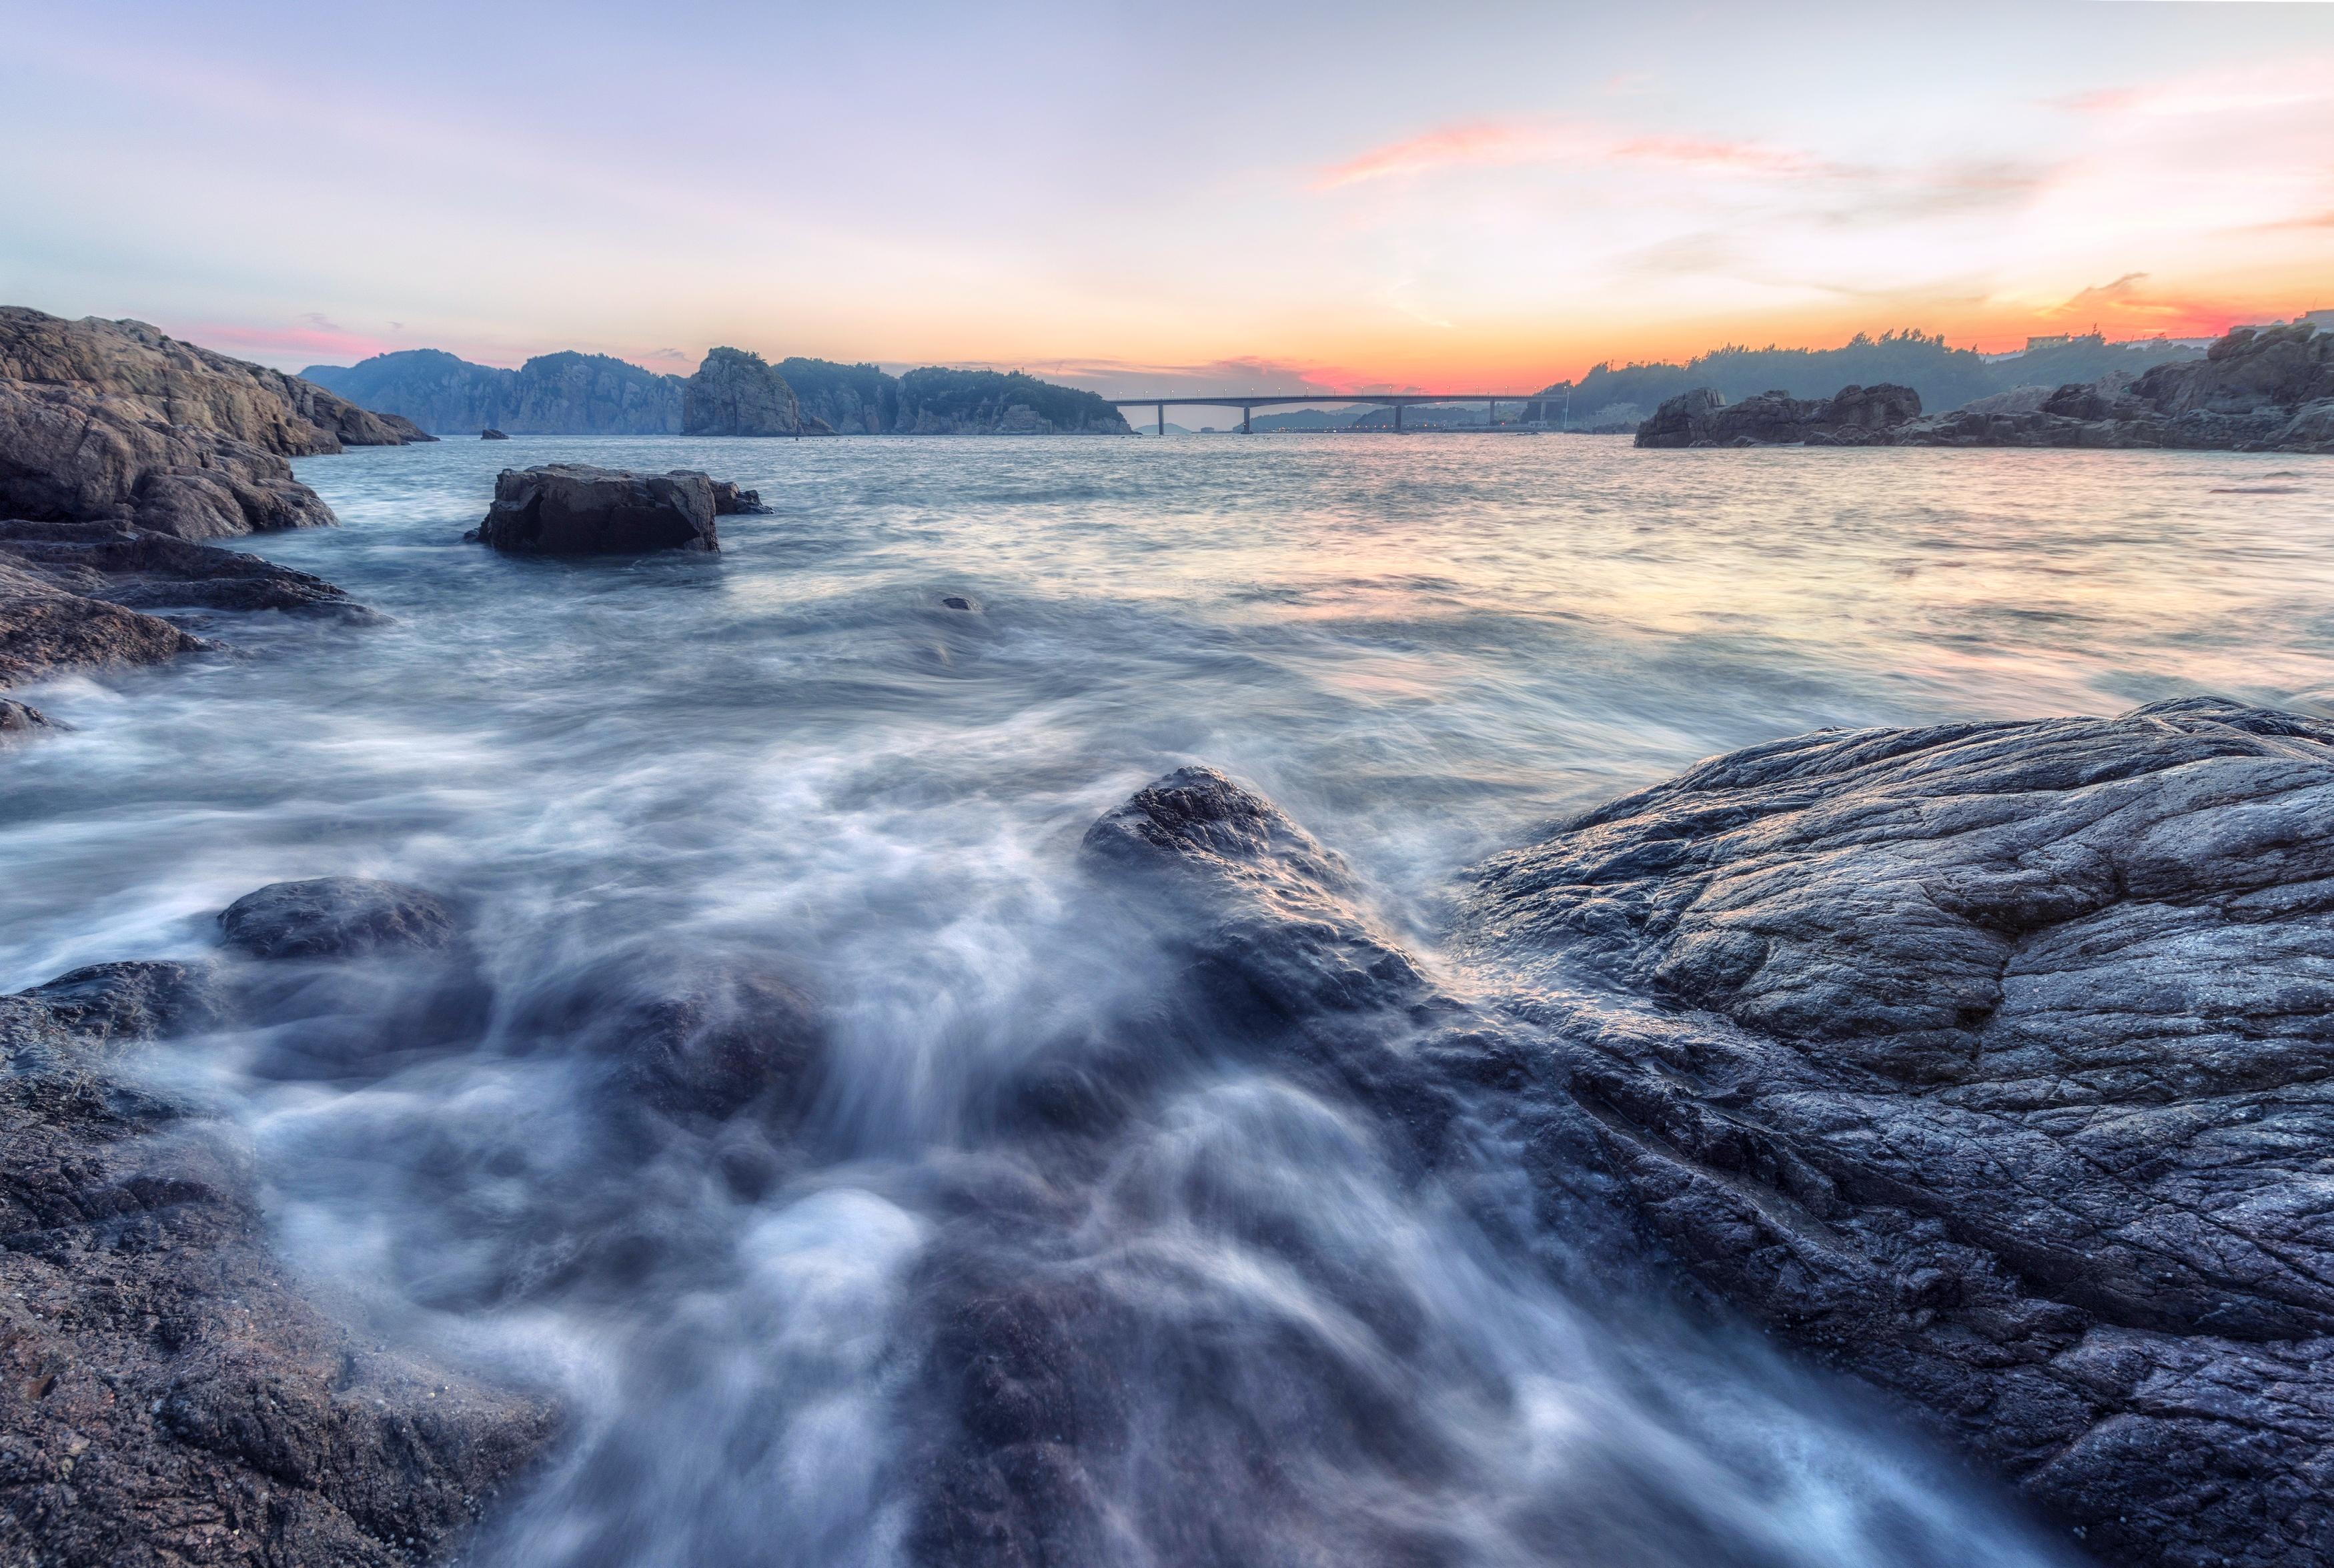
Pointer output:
173, 1396
69, 454
85, 596
2265, 390
737, 393
730, 499
182, 384
492, 435
1995, 1063
561, 394
2256, 390
1855, 416
574, 509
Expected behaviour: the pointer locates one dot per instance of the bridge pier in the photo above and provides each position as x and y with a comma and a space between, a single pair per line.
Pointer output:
1162, 418
1246, 410
1397, 416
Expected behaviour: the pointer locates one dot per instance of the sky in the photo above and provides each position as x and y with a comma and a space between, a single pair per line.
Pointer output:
1167, 197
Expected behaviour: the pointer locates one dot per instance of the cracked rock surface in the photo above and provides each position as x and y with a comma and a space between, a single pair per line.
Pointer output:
1991, 1061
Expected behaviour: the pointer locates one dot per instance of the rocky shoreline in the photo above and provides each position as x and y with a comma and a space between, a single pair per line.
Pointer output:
2269, 389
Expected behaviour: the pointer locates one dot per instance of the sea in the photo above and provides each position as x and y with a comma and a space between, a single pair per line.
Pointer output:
857, 750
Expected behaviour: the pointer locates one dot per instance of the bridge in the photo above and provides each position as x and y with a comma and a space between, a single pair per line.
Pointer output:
1249, 403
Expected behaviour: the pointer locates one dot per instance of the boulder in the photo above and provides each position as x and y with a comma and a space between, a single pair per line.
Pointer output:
1995, 1063
492, 435
729, 499
336, 917
737, 393
172, 1396
574, 509
18, 719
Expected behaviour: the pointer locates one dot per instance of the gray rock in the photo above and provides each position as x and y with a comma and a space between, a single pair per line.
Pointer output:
336, 917
1995, 1063
737, 393
574, 509
492, 435
173, 1397
19, 719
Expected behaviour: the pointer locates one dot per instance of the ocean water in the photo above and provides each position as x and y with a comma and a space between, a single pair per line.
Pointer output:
796, 760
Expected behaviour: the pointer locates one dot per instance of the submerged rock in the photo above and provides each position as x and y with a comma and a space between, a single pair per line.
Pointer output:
18, 718
492, 435
574, 509
336, 917
45, 631
172, 1397
1995, 1063
729, 499
143, 570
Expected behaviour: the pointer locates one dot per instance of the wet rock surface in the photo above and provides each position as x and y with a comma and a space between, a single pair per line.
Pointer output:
172, 1397
574, 509
1991, 1061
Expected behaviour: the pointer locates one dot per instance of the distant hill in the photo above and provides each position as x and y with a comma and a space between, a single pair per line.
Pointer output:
1946, 378
573, 394
562, 394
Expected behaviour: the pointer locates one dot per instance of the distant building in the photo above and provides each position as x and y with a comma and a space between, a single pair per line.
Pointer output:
2057, 340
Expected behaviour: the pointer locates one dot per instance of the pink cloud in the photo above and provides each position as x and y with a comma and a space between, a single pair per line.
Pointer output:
1484, 144
1500, 144
319, 343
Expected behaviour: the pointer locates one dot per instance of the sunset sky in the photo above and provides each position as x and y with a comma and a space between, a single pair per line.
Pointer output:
1191, 196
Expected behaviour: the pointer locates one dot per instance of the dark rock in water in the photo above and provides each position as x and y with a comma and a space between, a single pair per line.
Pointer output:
958, 602
336, 917
728, 499
1855, 416
737, 393
1993, 1062
492, 435
172, 1398
18, 718
574, 509
715, 1048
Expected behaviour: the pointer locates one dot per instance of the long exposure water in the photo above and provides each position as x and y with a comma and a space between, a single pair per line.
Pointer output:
798, 761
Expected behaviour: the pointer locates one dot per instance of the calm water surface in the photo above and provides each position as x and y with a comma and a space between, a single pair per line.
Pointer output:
796, 754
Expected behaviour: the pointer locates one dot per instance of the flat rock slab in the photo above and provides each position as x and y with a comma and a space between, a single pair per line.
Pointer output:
1995, 1063
574, 509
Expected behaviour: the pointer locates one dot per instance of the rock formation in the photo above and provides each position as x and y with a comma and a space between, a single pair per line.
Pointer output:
574, 509
2256, 390
490, 434
182, 384
945, 402
1855, 416
737, 393
172, 1396
83, 595
1995, 1063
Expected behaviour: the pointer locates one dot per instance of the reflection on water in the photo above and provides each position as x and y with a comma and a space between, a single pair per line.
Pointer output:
1267, 1341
